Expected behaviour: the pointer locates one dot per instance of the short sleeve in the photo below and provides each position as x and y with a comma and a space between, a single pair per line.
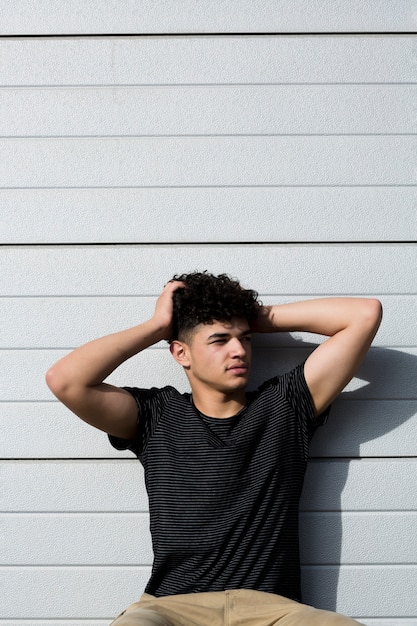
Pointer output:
150, 403
295, 389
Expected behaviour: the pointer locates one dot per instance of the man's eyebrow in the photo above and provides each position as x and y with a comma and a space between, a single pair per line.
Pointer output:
225, 335
218, 335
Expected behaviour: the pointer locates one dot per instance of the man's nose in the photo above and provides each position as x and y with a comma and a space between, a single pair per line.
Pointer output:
237, 347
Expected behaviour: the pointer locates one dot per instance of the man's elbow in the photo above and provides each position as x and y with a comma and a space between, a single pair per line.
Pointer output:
372, 314
57, 382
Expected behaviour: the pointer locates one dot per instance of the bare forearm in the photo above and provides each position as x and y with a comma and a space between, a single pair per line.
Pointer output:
77, 380
93, 362
89, 365
324, 316
350, 324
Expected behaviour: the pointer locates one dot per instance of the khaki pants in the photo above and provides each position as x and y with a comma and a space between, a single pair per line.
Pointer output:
226, 608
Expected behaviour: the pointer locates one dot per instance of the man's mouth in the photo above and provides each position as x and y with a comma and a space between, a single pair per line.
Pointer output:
238, 368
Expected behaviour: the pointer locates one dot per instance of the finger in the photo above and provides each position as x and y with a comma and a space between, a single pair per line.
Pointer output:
174, 284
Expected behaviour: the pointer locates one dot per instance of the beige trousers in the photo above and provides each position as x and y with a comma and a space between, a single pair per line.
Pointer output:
226, 608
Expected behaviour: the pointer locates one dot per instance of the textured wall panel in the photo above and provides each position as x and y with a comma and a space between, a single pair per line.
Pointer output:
190, 16
225, 214
390, 590
295, 270
201, 60
209, 110
203, 161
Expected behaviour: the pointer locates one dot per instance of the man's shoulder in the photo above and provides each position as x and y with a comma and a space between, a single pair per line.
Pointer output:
168, 393
282, 380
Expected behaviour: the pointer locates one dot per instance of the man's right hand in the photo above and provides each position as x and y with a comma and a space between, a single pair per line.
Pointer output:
164, 308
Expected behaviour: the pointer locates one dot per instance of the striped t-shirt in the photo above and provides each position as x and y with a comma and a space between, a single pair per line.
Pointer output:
224, 493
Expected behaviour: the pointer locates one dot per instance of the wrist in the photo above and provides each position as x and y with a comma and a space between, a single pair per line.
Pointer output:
159, 329
265, 321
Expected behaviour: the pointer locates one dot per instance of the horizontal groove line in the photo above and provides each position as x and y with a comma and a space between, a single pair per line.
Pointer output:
230, 85
77, 566
281, 296
340, 401
132, 459
105, 566
146, 566
137, 513
82, 621
161, 345
231, 186
192, 35
140, 513
210, 243
306, 513
203, 135
348, 459
71, 513
117, 296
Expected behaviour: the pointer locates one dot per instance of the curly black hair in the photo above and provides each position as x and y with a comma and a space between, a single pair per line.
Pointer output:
207, 298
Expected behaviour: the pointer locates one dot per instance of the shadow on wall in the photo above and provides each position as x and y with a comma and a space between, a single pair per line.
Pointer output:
388, 376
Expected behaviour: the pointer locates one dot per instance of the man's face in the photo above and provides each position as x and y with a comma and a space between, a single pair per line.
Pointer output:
219, 355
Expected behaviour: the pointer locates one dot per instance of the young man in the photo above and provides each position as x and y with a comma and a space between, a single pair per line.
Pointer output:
224, 467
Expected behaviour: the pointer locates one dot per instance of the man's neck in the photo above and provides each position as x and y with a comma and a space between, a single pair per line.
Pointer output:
219, 405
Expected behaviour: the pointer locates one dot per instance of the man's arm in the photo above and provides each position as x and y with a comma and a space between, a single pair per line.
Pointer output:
350, 324
77, 379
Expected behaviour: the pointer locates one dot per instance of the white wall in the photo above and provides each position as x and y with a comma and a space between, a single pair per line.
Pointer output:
287, 160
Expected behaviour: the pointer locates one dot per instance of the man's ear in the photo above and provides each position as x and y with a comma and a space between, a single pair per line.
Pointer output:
179, 351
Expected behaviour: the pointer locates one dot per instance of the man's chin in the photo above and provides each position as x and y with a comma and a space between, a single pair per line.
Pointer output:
240, 382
